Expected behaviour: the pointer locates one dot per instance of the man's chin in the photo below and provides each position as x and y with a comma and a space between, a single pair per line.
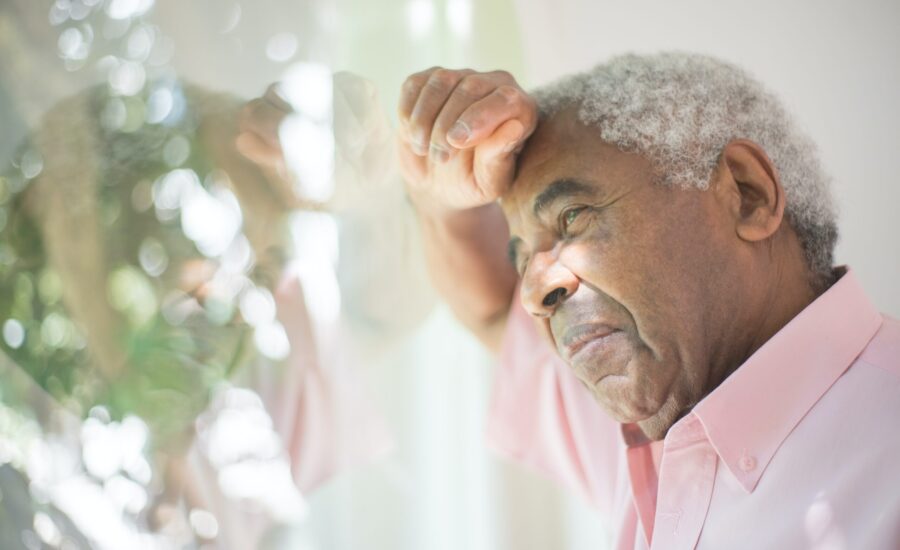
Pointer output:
613, 395
649, 422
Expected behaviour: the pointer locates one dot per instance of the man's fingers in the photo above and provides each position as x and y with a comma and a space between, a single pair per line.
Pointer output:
409, 96
472, 124
480, 121
274, 96
414, 163
262, 118
495, 158
432, 97
258, 151
409, 93
470, 89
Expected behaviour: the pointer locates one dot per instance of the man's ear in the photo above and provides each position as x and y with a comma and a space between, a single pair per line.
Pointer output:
754, 190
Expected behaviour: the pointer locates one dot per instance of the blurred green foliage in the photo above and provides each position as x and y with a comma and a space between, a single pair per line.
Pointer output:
171, 361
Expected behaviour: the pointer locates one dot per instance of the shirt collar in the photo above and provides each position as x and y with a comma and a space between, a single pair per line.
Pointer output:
750, 414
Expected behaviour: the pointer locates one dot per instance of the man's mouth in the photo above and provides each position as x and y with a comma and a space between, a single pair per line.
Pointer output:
584, 338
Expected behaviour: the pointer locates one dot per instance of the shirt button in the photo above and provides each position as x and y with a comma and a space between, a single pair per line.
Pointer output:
747, 463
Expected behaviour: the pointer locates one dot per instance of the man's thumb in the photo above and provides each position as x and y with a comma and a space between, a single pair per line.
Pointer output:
495, 159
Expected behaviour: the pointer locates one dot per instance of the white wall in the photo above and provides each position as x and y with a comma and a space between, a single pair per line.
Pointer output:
835, 64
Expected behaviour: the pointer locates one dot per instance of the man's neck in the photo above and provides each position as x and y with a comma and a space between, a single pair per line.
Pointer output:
785, 290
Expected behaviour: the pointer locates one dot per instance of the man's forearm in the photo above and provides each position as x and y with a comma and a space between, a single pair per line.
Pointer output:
466, 255
459, 136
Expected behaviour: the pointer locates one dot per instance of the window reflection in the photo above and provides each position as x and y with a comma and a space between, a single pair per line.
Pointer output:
167, 256
140, 256
169, 302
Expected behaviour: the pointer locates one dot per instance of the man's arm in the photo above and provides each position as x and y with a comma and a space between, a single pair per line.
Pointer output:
460, 132
466, 256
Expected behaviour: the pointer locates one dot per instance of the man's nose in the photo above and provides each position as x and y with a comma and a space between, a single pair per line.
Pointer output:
546, 284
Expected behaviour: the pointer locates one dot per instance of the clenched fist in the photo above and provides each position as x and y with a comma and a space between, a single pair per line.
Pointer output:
460, 132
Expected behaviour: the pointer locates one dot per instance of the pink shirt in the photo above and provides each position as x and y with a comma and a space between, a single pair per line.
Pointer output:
798, 448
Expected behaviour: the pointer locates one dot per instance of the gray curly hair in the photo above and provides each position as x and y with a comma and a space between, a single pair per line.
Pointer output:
680, 110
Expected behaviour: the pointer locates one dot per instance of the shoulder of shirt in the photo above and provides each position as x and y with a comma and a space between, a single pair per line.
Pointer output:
883, 350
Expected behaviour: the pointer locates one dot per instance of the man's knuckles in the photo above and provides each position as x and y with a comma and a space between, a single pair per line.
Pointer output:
475, 86
444, 80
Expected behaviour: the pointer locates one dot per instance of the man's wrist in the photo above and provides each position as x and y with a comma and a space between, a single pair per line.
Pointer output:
434, 211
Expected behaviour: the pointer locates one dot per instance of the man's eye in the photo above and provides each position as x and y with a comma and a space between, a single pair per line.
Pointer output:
568, 217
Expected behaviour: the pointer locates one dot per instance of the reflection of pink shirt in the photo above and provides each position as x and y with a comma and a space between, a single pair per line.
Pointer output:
323, 415
798, 448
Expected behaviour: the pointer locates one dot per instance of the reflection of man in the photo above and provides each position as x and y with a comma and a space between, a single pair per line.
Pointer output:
193, 292
673, 234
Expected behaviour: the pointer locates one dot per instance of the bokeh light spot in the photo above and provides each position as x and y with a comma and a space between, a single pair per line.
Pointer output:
282, 47
13, 333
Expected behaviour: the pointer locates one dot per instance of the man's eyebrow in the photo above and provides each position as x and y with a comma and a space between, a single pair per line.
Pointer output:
559, 189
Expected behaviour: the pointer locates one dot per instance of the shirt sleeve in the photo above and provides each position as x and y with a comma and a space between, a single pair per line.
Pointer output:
324, 417
543, 417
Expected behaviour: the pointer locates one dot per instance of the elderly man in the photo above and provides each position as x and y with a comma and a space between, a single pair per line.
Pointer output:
671, 234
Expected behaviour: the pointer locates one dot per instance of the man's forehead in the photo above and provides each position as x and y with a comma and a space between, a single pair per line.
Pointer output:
550, 150
565, 157
550, 139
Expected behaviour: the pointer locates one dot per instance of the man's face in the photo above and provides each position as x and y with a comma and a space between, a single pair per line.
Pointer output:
632, 279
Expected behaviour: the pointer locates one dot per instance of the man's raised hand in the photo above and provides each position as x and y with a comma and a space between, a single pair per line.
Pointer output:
460, 131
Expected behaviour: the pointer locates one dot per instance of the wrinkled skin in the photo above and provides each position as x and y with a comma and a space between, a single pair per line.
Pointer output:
652, 294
